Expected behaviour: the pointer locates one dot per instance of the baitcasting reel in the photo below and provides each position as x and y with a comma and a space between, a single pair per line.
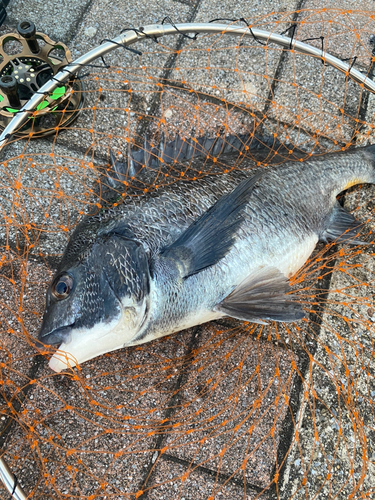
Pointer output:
23, 73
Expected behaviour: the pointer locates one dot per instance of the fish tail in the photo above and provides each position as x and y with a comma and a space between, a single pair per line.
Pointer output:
369, 151
361, 167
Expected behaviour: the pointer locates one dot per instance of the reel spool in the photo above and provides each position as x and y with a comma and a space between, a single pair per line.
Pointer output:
24, 73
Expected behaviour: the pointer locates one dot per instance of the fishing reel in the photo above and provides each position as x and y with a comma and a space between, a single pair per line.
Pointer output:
36, 59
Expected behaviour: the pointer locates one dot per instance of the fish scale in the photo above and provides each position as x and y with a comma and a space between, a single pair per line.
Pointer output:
224, 245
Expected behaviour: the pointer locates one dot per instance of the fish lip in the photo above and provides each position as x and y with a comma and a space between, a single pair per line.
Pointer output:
55, 337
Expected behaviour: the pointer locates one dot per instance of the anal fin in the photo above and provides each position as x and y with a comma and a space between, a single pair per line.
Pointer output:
262, 296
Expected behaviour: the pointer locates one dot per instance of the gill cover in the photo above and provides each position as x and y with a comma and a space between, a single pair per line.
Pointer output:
107, 303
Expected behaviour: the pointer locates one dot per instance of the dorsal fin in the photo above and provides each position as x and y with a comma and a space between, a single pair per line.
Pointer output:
182, 149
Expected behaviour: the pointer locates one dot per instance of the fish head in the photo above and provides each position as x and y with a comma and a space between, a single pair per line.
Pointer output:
99, 303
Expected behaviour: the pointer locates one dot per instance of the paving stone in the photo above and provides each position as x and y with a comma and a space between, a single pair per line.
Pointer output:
336, 423
98, 426
59, 20
231, 406
170, 482
121, 96
232, 68
44, 196
21, 304
324, 105
106, 19
315, 105
330, 461
367, 128
347, 32
22, 300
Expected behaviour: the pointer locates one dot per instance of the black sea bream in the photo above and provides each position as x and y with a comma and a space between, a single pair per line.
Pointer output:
224, 245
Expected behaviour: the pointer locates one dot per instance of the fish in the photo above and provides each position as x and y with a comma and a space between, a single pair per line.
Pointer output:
223, 246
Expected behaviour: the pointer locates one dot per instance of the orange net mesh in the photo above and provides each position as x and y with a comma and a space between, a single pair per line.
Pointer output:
224, 410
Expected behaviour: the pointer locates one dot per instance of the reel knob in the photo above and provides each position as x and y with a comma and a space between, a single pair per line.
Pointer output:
24, 73
9, 85
27, 30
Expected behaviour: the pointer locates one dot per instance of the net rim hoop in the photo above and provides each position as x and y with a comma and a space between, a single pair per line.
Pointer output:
10, 481
157, 31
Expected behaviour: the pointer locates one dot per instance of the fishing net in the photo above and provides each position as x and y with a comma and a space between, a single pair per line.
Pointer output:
226, 410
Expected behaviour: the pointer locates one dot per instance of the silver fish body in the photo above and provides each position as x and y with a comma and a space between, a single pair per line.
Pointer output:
224, 245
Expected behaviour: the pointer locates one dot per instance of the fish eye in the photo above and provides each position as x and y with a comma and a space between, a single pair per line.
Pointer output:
62, 286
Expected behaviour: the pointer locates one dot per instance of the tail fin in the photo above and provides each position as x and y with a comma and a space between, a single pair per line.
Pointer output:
370, 153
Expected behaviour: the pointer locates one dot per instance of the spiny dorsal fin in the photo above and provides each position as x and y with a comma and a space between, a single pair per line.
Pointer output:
211, 236
262, 296
181, 149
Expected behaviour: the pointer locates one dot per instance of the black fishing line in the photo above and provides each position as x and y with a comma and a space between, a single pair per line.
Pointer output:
291, 32
223, 19
321, 38
14, 486
350, 59
122, 45
242, 20
140, 30
169, 20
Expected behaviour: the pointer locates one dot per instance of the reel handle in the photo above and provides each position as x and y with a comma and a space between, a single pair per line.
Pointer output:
8, 85
27, 30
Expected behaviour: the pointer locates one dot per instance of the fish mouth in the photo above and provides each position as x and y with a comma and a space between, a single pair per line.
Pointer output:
55, 337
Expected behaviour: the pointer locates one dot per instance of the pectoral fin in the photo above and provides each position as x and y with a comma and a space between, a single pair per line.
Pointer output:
210, 237
262, 296
342, 227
